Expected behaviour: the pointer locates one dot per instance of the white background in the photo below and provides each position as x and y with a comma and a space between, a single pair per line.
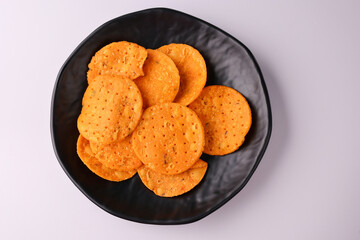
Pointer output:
308, 183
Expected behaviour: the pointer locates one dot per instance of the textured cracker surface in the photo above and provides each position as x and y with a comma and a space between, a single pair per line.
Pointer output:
226, 117
169, 139
173, 185
192, 69
87, 157
161, 79
117, 155
123, 58
112, 108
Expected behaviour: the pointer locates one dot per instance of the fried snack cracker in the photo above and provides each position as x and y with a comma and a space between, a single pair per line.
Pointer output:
192, 69
161, 81
173, 185
226, 117
88, 158
117, 155
123, 58
112, 108
169, 139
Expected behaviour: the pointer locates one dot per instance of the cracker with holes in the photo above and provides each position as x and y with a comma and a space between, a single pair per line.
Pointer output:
112, 108
161, 81
169, 139
192, 69
226, 117
173, 185
117, 155
87, 157
123, 59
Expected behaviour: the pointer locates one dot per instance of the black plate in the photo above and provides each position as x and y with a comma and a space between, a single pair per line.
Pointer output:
229, 63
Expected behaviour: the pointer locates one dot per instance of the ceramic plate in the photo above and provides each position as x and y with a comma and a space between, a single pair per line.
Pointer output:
228, 62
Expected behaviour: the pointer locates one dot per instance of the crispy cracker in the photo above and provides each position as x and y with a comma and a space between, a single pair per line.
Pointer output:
226, 117
117, 155
192, 69
87, 157
169, 139
173, 185
123, 58
161, 81
112, 108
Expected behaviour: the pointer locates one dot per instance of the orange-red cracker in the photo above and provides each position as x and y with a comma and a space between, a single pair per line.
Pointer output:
161, 79
123, 58
173, 185
112, 108
192, 69
117, 155
226, 117
169, 139
87, 157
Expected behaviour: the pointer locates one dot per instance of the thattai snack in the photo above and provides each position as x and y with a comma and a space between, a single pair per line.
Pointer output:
226, 117
169, 139
123, 59
172, 185
117, 155
112, 108
161, 79
87, 157
192, 69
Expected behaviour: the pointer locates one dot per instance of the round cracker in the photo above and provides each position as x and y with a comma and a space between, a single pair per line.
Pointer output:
123, 58
192, 69
173, 185
169, 139
87, 157
112, 108
117, 155
226, 117
161, 81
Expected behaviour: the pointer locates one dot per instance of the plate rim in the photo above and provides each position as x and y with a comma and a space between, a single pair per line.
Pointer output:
221, 203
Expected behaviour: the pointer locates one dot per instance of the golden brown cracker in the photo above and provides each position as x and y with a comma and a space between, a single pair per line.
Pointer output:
226, 117
112, 107
123, 58
169, 139
161, 79
192, 69
117, 155
87, 157
173, 185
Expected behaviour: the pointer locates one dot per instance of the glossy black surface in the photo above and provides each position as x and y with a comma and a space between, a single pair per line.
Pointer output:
229, 63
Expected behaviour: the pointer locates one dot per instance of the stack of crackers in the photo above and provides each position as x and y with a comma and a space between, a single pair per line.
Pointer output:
146, 111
